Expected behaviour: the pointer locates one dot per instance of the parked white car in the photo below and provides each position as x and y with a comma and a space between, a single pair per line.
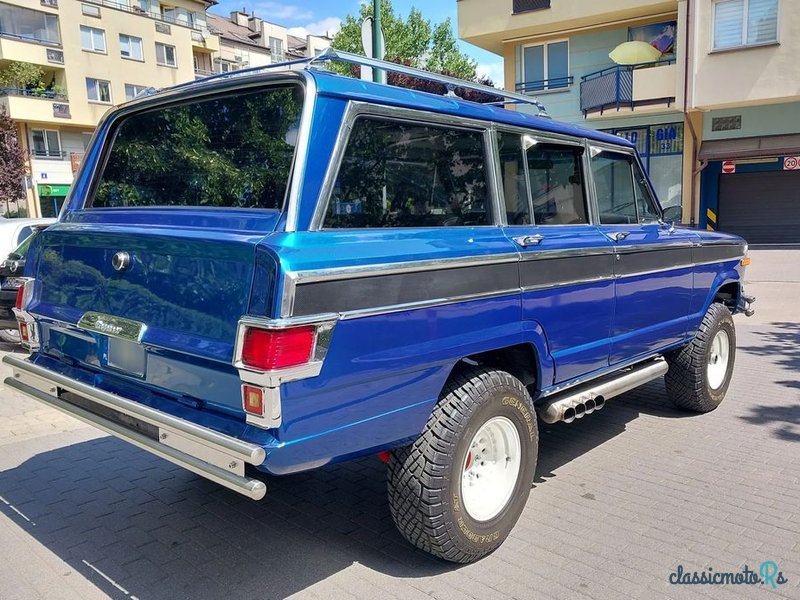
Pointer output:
14, 231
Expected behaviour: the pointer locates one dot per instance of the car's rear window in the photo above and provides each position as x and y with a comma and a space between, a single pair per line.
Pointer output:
227, 151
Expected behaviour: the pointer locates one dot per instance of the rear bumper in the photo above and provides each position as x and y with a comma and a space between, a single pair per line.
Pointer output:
206, 452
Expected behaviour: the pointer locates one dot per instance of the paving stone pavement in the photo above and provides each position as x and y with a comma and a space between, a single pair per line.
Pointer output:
621, 499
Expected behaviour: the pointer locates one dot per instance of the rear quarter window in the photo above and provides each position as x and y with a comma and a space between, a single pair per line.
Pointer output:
398, 174
234, 151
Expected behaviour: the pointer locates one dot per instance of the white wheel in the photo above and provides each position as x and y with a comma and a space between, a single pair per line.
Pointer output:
9, 335
718, 358
491, 469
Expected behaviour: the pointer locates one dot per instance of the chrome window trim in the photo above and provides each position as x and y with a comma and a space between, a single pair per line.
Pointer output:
358, 109
297, 176
494, 176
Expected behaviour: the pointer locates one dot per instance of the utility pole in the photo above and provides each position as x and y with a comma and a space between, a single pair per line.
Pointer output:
377, 40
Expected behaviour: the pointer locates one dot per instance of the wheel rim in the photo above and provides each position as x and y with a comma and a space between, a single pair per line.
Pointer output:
491, 469
718, 358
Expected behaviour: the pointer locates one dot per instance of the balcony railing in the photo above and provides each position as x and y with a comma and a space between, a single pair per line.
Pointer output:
48, 154
612, 87
148, 13
200, 73
46, 94
545, 85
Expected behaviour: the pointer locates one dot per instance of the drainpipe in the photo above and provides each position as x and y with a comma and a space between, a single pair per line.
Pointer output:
687, 120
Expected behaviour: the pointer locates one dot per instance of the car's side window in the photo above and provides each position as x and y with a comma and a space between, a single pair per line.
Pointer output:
512, 171
613, 181
644, 199
556, 182
401, 174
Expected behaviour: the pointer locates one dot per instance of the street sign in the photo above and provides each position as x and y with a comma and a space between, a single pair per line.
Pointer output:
791, 163
729, 166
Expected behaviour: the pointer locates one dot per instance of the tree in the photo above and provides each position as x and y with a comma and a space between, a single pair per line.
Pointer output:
21, 75
12, 160
414, 41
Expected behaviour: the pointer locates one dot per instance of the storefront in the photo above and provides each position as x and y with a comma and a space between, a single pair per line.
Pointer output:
661, 149
51, 198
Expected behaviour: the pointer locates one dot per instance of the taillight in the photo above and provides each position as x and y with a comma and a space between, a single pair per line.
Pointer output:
24, 334
271, 349
24, 293
253, 399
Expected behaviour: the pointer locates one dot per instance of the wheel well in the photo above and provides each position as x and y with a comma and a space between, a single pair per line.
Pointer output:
520, 360
728, 295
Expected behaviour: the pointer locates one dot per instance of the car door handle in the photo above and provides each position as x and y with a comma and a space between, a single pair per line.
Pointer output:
528, 240
618, 236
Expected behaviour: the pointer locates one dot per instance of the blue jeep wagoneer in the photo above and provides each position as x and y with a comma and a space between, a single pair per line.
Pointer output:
274, 270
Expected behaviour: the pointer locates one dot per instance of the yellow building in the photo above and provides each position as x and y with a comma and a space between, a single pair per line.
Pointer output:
723, 91
93, 54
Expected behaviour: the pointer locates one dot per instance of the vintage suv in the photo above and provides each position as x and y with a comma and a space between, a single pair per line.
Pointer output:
275, 270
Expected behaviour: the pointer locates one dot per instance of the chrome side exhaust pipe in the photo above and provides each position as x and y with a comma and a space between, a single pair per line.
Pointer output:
588, 398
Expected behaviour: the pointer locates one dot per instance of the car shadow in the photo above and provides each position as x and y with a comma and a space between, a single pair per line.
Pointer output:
781, 342
158, 531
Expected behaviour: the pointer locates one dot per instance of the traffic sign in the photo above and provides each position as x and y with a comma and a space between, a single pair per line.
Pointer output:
791, 163
729, 166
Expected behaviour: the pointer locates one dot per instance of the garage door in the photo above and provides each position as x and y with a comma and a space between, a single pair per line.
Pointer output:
763, 208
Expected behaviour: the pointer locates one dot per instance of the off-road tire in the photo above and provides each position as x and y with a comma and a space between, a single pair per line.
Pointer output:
687, 378
424, 479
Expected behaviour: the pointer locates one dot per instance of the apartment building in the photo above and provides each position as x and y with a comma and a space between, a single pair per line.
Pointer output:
93, 54
249, 41
714, 114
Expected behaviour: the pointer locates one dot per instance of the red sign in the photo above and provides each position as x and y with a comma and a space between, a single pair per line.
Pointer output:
729, 166
791, 163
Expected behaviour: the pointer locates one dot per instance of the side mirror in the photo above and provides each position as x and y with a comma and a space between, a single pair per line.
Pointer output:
673, 214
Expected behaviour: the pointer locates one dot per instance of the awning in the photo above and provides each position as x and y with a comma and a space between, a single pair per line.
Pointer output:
752, 147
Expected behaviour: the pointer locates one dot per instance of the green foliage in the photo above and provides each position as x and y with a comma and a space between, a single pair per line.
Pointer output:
22, 75
230, 151
413, 41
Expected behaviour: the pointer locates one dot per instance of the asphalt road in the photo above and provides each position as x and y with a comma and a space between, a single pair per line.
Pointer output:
622, 499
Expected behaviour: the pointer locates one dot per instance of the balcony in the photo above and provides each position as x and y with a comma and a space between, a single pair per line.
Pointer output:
628, 87
153, 14
22, 49
201, 73
205, 41
545, 85
33, 105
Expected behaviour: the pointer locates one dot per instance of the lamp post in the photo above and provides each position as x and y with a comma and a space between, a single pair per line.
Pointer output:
377, 40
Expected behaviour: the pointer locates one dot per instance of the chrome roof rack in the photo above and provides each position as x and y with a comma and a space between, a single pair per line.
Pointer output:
332, 55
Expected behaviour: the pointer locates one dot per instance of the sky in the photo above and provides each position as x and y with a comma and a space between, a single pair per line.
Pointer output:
324, 16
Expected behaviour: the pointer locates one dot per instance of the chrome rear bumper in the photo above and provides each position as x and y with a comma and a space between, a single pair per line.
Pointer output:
213, 455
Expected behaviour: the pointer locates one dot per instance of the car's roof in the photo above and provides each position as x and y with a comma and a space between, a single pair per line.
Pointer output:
367, 91
23, 222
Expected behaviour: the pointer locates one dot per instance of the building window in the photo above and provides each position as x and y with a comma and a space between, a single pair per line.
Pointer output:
86, 138
276, 48
545, 67
165, 55
741, 23
92, 39
28, 24
133, 90
130, 47
46, 143
98, 90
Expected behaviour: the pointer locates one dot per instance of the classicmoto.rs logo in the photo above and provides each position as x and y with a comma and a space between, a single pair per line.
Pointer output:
768, 574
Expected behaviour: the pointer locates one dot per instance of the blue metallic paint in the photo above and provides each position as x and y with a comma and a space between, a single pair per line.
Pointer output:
383, 373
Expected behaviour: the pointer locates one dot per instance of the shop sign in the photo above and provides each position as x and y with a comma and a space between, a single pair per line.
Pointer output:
53, 189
